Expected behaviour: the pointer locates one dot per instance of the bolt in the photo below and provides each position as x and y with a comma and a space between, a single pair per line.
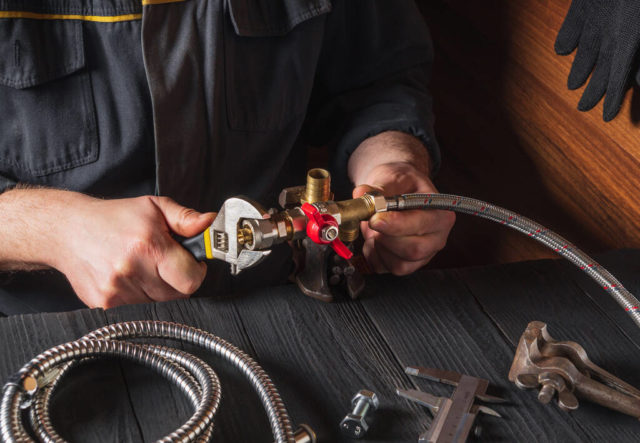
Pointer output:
329, 233
355, 424
551, 383
546, 393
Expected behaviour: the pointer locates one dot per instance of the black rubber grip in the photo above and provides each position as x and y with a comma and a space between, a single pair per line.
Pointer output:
195, 245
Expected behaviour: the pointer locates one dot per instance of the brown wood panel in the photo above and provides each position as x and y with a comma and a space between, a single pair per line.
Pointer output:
511, 133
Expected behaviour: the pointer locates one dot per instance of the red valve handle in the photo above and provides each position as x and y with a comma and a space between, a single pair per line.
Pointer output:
317, 222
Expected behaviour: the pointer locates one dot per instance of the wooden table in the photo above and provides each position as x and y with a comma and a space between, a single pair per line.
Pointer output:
319, 355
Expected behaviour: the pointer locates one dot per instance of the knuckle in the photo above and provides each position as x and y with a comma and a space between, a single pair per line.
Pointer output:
184, 214
416, 251
145, 245
159, 200
402, 268
122, 270
110, 295
148, 202
441, 242
191, 286
449, 218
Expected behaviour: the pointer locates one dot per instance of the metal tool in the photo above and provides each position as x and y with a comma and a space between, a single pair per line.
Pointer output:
25, 404
224, 239
563, 368
357, 422
245, 231
453, 417
324, 261
304, 434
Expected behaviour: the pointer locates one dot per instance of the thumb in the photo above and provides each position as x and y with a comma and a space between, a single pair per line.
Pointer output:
360, 190
181, 220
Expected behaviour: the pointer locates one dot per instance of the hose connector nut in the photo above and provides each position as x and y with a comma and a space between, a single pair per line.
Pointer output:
378, 201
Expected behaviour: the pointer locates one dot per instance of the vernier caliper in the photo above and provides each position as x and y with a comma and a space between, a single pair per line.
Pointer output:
453, 417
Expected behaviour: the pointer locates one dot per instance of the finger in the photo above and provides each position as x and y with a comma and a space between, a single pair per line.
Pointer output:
597, 86
397, 265
359, 191
181, 220
119, 293
619, 80
585, 59
371, 254
156, 288
413, 248
571, 28
416, 222
180, 270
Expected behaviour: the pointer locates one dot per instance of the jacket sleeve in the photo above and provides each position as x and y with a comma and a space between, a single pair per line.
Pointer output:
372, 77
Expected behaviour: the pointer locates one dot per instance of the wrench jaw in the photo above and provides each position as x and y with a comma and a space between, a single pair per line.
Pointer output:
225, 244
247, 259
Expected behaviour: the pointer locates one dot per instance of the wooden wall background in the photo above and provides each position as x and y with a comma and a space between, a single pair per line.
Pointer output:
511, 133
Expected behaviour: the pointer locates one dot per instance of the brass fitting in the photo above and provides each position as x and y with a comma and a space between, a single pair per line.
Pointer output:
245, 236
349, 213
352, 212
318, 186
356, 209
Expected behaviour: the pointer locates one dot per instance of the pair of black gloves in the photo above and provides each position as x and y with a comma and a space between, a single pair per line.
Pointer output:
607, 35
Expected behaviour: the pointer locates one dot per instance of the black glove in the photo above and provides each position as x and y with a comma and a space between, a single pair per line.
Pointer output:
607, 35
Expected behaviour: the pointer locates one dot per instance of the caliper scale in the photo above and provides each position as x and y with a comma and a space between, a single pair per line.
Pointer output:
454, 418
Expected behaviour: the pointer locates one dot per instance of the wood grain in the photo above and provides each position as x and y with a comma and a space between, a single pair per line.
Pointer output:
516, 294
511, 133
319, 355
436, 309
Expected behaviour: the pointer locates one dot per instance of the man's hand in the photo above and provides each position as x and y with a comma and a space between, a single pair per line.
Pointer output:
398, 242
113, 252
121, 251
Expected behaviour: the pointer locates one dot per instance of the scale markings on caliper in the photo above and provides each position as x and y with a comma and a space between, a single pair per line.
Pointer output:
453, 417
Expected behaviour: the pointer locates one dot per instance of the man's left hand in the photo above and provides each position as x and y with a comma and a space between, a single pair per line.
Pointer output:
402, 242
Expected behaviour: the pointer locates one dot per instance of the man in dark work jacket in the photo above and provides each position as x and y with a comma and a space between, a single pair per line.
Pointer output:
111, 112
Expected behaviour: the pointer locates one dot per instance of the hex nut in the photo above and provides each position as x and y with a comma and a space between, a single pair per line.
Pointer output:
369, 396
354, 426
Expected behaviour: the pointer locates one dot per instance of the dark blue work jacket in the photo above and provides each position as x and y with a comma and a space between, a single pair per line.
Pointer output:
199, 100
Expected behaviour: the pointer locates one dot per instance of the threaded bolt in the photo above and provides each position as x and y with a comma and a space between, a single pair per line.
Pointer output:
356, 424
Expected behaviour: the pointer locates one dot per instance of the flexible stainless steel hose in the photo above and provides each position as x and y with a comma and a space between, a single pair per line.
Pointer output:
35, 383
532, 229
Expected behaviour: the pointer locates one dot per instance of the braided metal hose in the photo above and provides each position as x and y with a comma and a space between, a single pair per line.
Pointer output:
532, 229
36, 382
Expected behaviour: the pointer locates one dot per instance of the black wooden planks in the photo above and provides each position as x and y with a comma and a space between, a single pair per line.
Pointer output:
320, 354
434, 321
513, 295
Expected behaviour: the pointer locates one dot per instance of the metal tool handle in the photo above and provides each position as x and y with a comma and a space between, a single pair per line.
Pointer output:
199, 245
603, 395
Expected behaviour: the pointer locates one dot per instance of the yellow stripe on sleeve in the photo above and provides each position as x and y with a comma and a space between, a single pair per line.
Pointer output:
88, 18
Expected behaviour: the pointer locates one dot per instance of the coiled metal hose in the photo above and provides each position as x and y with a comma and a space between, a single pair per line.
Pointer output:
36, 382
532, 229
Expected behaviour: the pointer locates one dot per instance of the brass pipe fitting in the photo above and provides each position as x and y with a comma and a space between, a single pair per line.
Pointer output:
355, 210
318, 186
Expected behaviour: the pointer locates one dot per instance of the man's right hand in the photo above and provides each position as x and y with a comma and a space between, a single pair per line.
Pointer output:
113, 252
